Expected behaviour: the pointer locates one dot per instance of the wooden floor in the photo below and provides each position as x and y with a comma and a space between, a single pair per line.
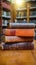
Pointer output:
18, 57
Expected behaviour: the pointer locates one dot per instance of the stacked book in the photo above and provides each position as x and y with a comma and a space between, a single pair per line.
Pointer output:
19, 36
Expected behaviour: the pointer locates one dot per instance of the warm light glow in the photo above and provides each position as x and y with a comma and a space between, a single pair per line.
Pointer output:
18, 2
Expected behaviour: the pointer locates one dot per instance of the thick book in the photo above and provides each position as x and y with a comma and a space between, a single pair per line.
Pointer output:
19, 46
18, 39
19, 32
